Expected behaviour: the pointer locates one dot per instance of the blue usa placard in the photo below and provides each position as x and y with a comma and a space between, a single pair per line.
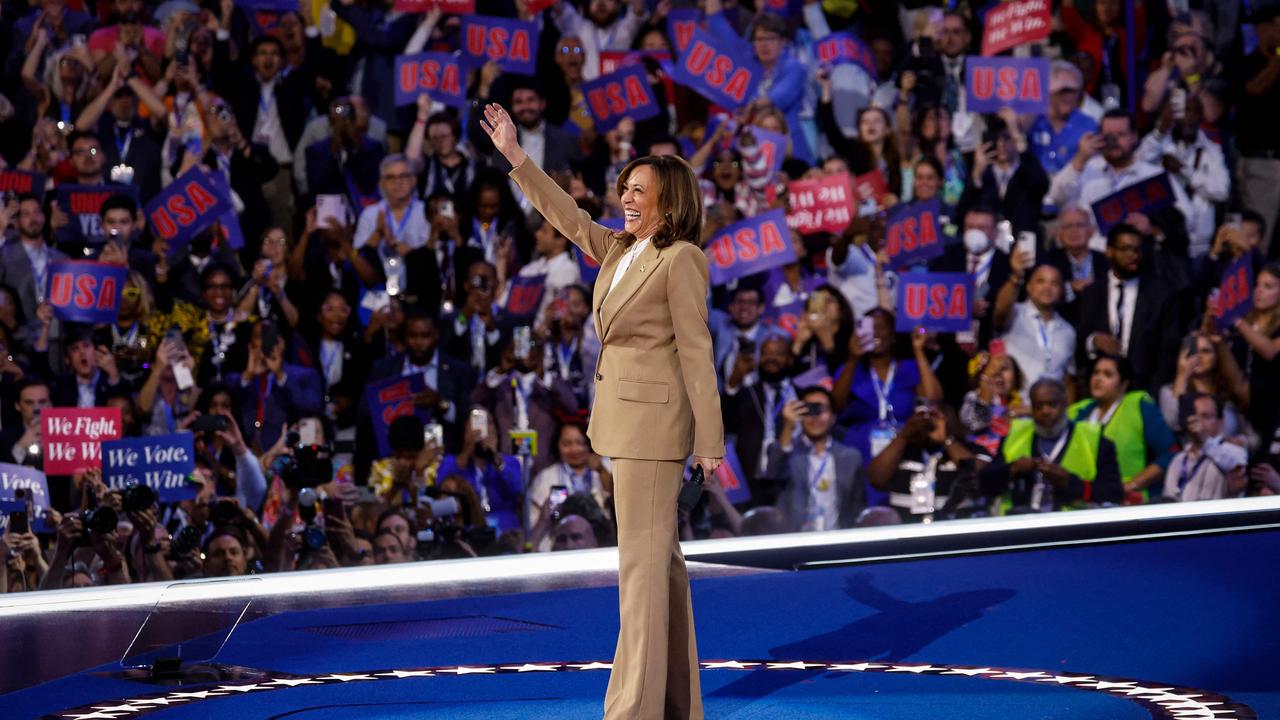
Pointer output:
934, 301
844, 48
1144, 196
785, 317
994, 83
86, 291
715, 69
913, 233
681, 22
621, 94
439, 75
162, 462
750, 246
189, 204
513, 44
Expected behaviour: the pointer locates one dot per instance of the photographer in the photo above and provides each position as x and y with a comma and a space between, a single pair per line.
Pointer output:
237, 470
273, 392
472, 333
924, 466
90, 536
20, 442
824, 487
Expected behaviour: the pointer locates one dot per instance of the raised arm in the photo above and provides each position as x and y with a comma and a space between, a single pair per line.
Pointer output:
547, 197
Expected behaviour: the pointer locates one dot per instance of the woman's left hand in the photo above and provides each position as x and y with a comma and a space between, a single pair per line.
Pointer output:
709, 465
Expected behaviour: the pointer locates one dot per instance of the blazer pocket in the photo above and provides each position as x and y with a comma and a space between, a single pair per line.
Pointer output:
643, 391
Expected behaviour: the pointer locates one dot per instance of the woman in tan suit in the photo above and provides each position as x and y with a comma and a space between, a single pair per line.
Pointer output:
656, 402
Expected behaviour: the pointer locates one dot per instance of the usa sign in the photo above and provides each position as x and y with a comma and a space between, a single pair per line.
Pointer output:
1145, 196
715, 71
785, 317
513, 44
625, 93
993, 83
73, 437
681, 24
524, 295
1235, 298
189, 204
934, 301
912, 233
1011, 24
86, 291
391, 399
753, 245
846, 49
823, 205
436, 74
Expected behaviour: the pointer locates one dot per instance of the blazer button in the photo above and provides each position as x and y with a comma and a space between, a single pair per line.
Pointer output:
599, 377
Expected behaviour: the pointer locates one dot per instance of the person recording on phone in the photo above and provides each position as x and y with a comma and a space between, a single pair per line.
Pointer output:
656, 402
926, 464
1034, 334
494, 475
24, 264
271, 391
578, 471
472, 333
741, 332
169, 392
823, 485
92, 365
20, 442
521, 395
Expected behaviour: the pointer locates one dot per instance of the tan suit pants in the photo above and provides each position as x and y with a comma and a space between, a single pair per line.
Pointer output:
655, 667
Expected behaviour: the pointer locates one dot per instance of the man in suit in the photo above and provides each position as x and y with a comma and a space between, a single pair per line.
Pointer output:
823, 489
347, 162
1080, 266
17, 440
24, 264
550, 148
93, 370
449, 382
1007, 175
978, 256
521, 395
246, 164
126, 138
1132, 311
753, 398
272, 392
742, 328
472, 333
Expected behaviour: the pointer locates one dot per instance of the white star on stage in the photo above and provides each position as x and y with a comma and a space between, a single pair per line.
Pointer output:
154, 701
917, 669
347, 678
468, 670
201, 695
860, 667
727, 664
294, 682
117, 708
971, 672
1021, 675
530, 667
795, 665
244, 688
406, 673
1064, 679
594, 666
94, 716
1148, 691
1103, 685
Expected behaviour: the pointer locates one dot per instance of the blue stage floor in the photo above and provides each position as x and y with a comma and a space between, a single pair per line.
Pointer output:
1175, 628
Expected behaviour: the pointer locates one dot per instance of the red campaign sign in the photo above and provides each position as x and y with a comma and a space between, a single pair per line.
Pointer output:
22, 181
448, 7
537, 6
1011, 24
824, 205
71, 438
870, 188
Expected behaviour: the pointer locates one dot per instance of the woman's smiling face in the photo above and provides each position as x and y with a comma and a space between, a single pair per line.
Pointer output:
640, 202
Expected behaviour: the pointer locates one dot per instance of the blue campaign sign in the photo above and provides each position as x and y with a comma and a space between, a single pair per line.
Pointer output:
389, 400
86, 291
774, 147
818, 376
20, 182
714, 68
681, 23
750, 246
30, 480
81, 203
993, 83
162, 462
913, 233
1145, 196
1235, 294
785, 317
844, 48
513, 44
934, 301
439, 75
524, 295
622, 94
232, 235
189, 204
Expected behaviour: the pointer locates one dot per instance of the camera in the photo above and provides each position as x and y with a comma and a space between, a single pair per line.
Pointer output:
97, 521
447, 528
813, 408
187, 539
138, 497
746, 346
210, 424
303, 466
224, 512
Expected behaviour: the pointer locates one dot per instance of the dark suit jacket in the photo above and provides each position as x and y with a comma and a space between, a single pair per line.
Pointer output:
143, 153
355, 373
1057, 257
299, 396
1022, 199
1153, 341
956, 259
239, 85
459, 344
65, 393
794, 467
327, 175
543, 403
16, 272
744, 419
247, 176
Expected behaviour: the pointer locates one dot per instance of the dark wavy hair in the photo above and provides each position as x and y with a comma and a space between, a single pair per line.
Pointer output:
679, 197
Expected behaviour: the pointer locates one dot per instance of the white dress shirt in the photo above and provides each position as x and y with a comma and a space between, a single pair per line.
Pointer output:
629, 257
1099, 179
1126, 308
1041, 348
1204, 175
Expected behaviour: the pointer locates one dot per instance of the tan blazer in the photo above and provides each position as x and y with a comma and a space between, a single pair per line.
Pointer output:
656, 396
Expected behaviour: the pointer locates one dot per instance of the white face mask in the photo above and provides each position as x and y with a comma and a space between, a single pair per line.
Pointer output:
976, 241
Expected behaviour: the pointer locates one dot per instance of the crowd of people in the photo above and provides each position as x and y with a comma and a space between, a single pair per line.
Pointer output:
1095, 371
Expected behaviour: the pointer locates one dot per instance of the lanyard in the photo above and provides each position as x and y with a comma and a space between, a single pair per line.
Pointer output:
478, 480
266, 100
65, 107
328, 358
265, 385
883, 391
404, 220
1057, 447
1103, 420
122, 147
125, 340
822, 467
168, 414
564, 359
577, 483
523, 398
1044, 339
1186, 477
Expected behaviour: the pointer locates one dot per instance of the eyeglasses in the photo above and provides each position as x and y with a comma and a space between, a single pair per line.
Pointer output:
276, 240
570, 50
131, 293
718, 163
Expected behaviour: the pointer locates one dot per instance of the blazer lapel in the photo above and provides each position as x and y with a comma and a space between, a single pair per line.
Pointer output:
641, 269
